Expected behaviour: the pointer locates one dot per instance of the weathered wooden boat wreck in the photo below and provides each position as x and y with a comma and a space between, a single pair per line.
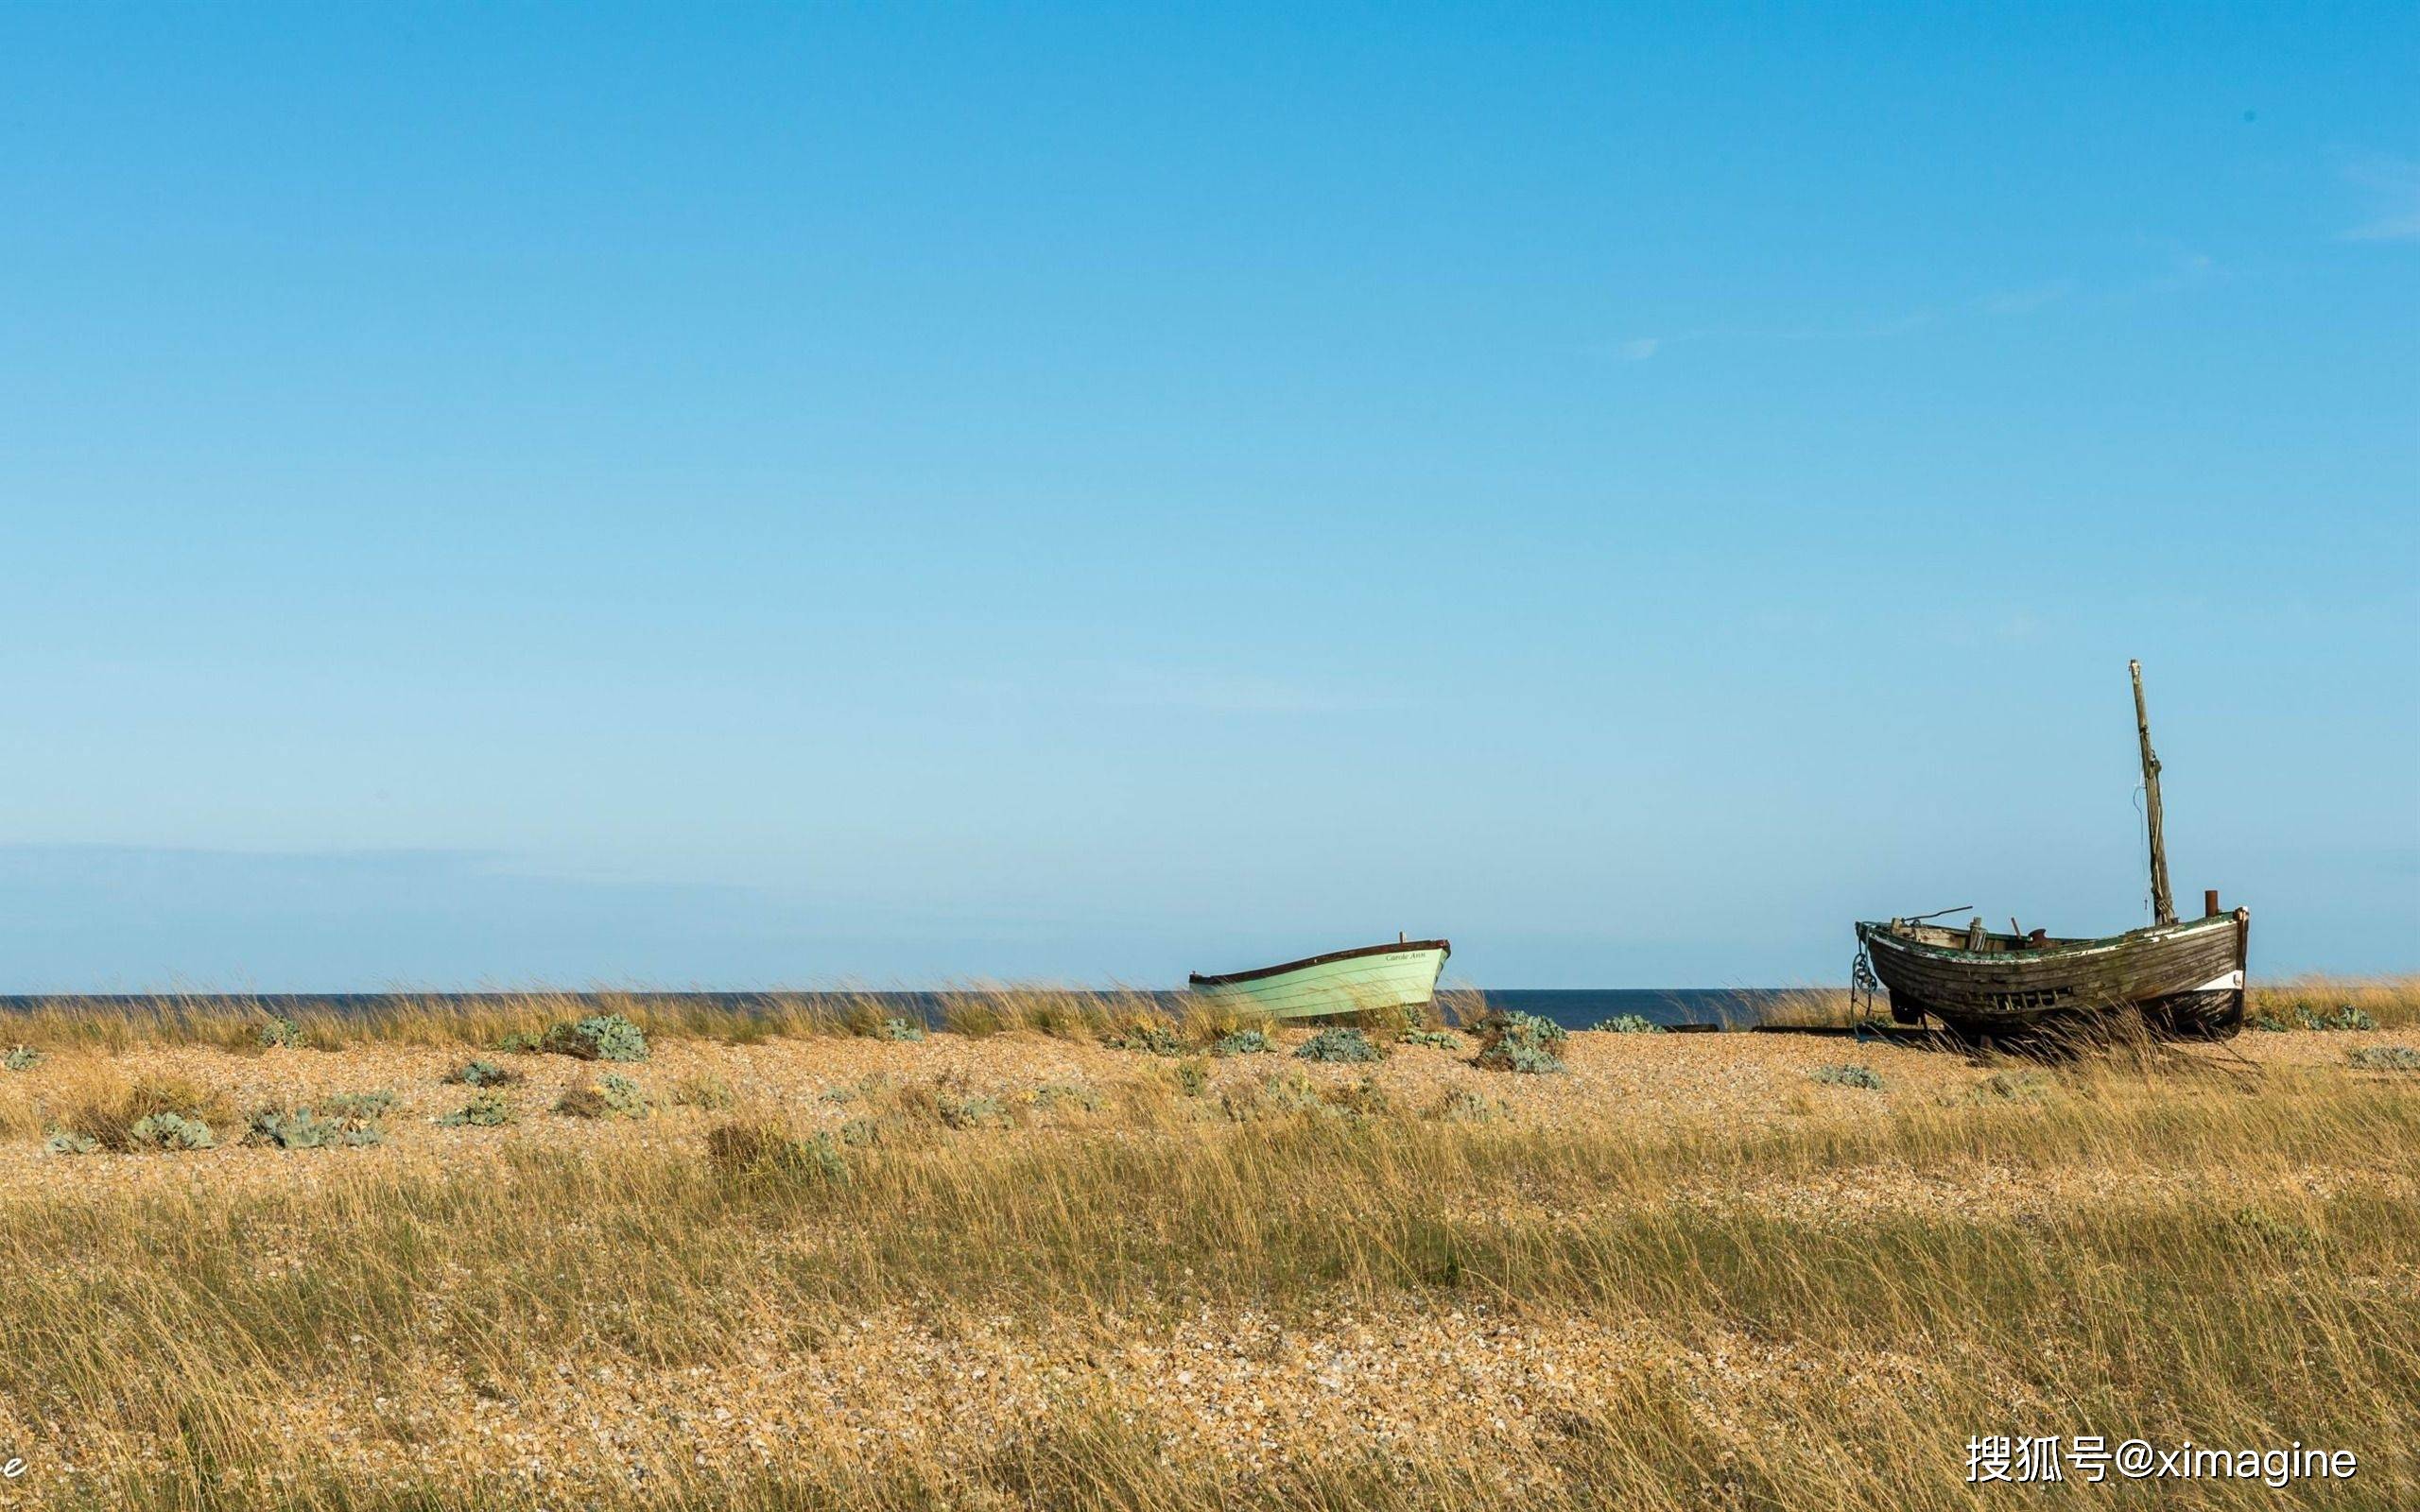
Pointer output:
1374, 977
2184, 979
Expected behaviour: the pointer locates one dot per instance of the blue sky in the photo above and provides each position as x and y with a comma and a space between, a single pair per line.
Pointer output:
739, 496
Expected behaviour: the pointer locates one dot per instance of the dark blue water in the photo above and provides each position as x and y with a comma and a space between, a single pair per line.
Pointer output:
1585, 1007
1572, 1008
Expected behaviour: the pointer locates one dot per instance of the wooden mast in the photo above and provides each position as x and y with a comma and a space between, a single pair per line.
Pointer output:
2163, 905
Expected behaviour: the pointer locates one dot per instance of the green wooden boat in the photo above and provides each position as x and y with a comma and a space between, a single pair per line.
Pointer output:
1401, 976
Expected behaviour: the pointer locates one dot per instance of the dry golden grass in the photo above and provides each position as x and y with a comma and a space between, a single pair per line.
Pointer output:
2392, 1001
234, 1023
1019, 1271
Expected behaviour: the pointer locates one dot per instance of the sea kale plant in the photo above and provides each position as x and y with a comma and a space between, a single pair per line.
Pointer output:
1150, 1036
1241, 1042
599, 1037
156, 1114
281, 1033
623, 1095
2310, 1016
612, 1096
704, 1090
482, 1074
1445, 1040
24, 1057
1339, 1044
170, 1132
2385, 1058
900, 1029
359, 1107
1525, 1042
1848, 1076
486, 1109
1631, 1023
307, 1129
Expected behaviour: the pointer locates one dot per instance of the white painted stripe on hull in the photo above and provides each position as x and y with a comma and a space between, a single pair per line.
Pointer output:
2232, 982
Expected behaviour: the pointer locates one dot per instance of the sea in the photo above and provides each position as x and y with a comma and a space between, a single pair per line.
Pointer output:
1572, 1008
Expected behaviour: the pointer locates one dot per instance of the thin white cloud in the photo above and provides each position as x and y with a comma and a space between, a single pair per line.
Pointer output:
1639, 348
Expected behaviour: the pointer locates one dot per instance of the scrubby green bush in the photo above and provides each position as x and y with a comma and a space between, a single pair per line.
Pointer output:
757, 1152
2312, 1016
24, 1057
1631, 1023
516, 1042
599, 1037
109, 1119
1337, 1044
169, 1131
706, 1090
623, 1096
482, 1074
1243, 1042
1517, 1041
1148, 1036
281, 1033
1847, 1077
1530, 1029
1192, 1077
1445, 1040
859, 1133
360, 1107
487, 1110
304, 1128
971, 1113
611, 1095
2384, 1057
1524, 1059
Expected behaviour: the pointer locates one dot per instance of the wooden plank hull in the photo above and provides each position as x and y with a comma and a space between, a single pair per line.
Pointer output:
1403, 975
2185, 977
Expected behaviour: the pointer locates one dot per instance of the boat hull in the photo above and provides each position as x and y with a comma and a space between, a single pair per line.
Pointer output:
2185, 978
1374, 977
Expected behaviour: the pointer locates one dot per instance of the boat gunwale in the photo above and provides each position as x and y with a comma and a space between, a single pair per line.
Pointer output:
1263, 973
1873, 932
